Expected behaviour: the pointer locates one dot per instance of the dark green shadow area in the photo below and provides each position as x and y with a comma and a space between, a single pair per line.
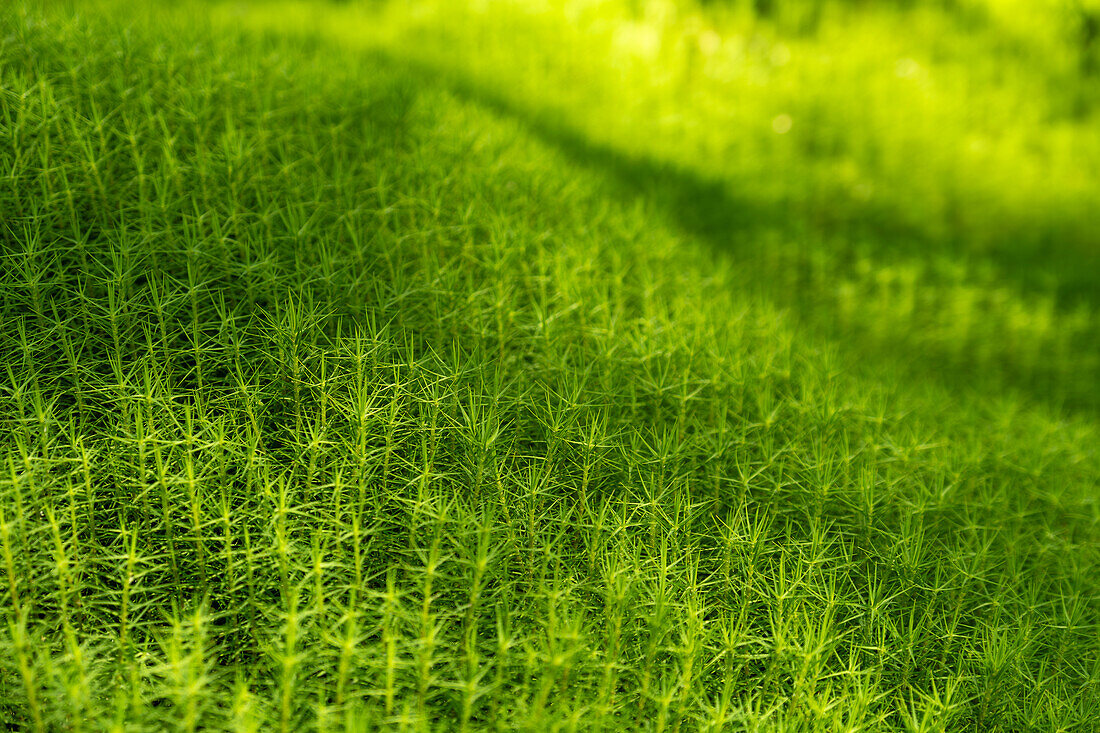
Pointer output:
797, 261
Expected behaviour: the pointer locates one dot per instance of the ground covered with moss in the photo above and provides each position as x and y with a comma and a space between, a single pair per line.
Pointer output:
558, 365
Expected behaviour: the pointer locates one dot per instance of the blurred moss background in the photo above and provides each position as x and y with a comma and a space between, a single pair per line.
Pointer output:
919, 179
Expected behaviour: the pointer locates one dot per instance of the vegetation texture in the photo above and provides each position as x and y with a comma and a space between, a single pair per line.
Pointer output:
551, 365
